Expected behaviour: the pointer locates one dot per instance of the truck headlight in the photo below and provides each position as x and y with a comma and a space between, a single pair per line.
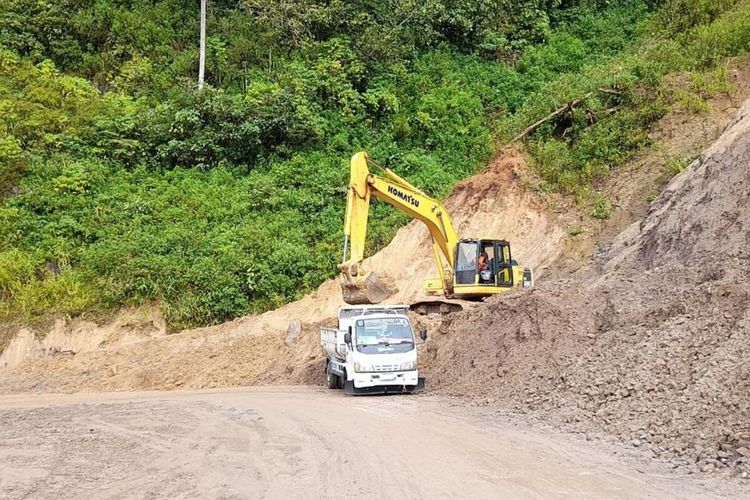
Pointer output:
362, 367
408, 366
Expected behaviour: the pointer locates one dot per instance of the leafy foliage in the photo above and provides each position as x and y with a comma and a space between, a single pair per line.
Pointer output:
122, 184
606, 128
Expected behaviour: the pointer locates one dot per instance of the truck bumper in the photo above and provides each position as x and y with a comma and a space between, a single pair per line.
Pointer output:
384, 383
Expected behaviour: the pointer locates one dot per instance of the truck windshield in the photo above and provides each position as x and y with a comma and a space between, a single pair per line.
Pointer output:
384, 335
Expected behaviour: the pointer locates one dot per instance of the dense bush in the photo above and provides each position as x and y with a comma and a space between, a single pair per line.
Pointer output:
121, 183
607, 128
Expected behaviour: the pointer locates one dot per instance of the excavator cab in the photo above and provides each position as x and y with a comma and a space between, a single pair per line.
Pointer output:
481, 266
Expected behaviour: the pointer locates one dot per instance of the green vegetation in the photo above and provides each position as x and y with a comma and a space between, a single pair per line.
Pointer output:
571, 158
122, 184
601, 209
575, 231
674, 165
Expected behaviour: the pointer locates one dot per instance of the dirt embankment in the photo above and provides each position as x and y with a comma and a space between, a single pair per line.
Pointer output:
64, 338
652, 346
252, 350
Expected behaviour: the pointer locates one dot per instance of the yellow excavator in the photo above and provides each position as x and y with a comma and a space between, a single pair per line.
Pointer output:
470, 268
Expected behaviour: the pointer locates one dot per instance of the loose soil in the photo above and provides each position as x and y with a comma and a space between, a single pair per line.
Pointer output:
651, 348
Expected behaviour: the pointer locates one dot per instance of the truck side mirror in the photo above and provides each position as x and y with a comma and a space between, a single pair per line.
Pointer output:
423, 334
348, 337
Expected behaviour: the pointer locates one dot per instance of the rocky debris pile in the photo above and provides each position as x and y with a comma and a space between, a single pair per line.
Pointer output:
653, 349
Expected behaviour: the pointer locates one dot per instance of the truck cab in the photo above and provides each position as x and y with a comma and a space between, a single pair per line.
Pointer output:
373, 351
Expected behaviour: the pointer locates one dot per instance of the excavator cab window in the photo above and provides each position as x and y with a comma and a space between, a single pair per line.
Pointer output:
467, 253
503, 264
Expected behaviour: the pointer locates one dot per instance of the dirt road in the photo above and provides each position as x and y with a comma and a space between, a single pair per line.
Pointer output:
298, 442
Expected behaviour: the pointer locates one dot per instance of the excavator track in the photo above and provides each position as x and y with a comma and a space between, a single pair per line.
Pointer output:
436, 307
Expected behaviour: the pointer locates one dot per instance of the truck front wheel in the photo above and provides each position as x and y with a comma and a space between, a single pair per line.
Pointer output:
332, 380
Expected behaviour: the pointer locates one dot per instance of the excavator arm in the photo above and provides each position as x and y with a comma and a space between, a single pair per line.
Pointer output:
359, 287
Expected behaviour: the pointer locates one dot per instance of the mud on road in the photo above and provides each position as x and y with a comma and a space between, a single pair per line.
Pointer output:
300, 442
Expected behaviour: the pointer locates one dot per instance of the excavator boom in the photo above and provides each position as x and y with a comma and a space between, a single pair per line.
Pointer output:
356, 287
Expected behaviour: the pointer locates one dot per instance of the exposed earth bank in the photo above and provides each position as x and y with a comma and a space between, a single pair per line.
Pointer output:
652, 345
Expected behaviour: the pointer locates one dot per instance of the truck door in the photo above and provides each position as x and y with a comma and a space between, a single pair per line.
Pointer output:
504, 268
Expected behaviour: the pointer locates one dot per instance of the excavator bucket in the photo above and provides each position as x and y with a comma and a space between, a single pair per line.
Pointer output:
368, 290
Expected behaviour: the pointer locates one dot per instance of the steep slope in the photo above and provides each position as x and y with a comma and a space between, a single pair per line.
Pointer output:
252, 349
652, 347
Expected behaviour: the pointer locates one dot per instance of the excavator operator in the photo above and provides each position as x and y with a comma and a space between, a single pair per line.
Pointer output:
484, 266
483, 261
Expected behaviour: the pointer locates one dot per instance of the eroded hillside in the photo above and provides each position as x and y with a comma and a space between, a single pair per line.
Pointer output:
651, 346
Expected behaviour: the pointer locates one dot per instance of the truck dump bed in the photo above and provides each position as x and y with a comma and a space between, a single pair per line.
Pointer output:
332, 342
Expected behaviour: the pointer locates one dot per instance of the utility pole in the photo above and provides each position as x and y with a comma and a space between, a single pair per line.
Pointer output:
202, 58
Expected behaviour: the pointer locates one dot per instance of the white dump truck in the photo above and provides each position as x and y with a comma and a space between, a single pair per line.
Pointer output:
373, 351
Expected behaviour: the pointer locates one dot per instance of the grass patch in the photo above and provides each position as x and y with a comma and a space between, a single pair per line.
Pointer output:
673, 166
575, 231
29, 288
601, 208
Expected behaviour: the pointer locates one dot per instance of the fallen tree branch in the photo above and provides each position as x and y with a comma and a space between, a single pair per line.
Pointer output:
557, 112
562, 109
610, 91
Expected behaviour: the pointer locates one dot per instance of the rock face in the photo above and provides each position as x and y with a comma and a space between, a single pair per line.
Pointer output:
654, 347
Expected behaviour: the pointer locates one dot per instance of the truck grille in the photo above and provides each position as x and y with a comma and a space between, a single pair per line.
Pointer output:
385, 368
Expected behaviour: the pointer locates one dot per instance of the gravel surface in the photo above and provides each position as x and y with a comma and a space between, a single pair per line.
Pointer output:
301, 443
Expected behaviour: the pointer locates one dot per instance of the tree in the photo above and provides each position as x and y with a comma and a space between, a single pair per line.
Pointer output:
202, 57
